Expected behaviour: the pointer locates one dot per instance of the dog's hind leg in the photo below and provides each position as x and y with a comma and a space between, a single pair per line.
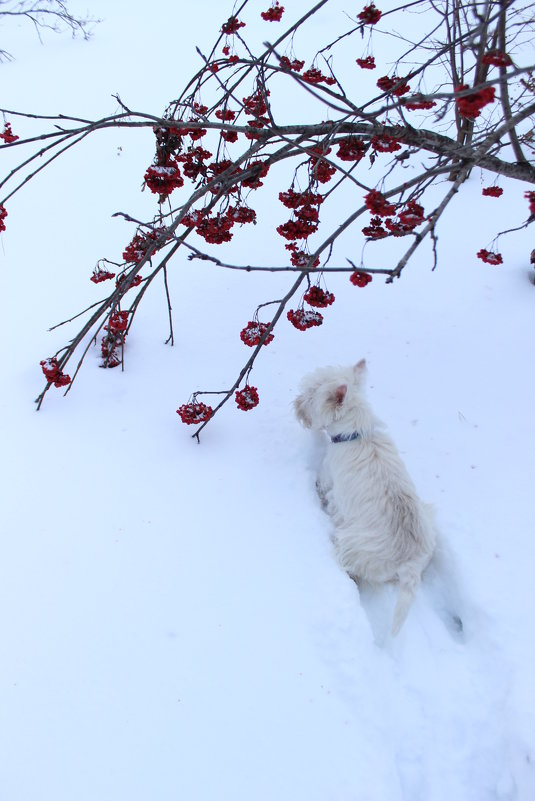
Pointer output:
408, 584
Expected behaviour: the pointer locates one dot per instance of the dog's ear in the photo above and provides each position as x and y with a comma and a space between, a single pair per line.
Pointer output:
300, 411
360, 368
339, 394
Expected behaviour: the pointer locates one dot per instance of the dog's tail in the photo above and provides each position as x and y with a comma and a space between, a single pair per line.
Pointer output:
407, 590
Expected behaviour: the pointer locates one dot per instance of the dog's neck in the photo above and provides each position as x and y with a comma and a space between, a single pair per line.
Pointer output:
345, 437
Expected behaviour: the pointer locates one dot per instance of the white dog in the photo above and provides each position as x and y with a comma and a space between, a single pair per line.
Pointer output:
383, 532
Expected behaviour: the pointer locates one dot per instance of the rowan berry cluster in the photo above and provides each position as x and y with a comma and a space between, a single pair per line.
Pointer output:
530, 196
247, 398
253, 332
53, 374
417, 103
7, 134
394, 85
492, 191
370, 15
274, 13
3, 215
489, 258
135, 281
294, 65
304, 318
496, 58
316, 296
138, 247
232, 25
351, 149
99, 275
367, 63
300, 258
470, 105
378, 204
385, 144
162, 179
319, 168
315, 76
194, 413
359, 278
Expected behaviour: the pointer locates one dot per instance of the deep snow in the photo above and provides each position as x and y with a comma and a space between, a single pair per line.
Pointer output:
173, 622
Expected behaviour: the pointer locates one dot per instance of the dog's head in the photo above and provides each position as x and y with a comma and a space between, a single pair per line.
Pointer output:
328, 394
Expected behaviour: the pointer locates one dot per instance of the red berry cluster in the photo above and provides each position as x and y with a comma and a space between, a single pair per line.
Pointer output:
492, 191
273, 14
319, 168
359, 278
305, 219
395, 85
225, 114
7, 135
3, 215
490, 258
417, 102
304, 318
113, 340
301, 258
530, 196
496, 58
53, 374
162, 179
193, 161
118, 322
316, 296
351, 149
412, 215
293, 200
241, 214
315, 76
375, 229
470, 106
297, 229
136, 250
215, 230
255, 104
378, 204
229, 136
247, 398
194, 413
256, 170
100, 275
294, 65
253, 333
367, 63
370, 15
232, 25
385, 144
136, 280
109, 349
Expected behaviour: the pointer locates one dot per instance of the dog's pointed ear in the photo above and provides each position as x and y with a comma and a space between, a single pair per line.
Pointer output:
339, 394
359, 368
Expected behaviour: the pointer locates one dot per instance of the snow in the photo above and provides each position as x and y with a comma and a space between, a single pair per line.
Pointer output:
173, 622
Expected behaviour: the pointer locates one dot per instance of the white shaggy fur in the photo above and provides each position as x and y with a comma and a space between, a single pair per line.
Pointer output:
383, 532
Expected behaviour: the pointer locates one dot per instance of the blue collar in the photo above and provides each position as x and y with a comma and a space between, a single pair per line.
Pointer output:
345, 437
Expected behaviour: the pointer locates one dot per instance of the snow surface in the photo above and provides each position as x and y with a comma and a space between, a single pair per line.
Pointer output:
173, 622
